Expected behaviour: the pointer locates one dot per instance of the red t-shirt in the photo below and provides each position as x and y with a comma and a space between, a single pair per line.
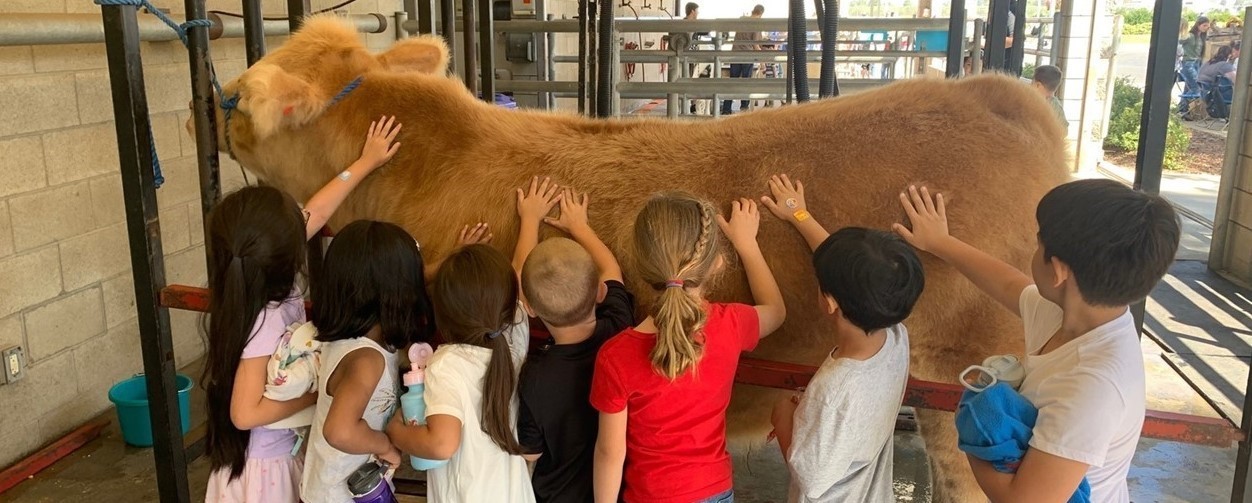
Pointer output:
676, 431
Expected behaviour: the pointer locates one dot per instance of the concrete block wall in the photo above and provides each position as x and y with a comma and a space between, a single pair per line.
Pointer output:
66, 292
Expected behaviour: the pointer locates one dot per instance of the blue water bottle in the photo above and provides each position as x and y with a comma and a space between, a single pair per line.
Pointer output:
412, 403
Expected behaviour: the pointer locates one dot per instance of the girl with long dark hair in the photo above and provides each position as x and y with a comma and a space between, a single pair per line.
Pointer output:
256, 239
1192, 55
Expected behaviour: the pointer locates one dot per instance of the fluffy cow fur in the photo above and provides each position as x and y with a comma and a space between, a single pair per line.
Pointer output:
990, 144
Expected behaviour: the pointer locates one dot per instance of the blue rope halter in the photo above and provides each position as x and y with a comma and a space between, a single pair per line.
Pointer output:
181, 29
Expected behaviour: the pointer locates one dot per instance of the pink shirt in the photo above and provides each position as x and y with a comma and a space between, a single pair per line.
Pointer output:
269, 328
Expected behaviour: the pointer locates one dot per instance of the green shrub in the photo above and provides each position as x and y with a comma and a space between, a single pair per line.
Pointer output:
1137, 29
1028, 71
1125, 95
1141, 15
1124, 135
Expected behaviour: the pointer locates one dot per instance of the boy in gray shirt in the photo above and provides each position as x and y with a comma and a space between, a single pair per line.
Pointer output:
837, 435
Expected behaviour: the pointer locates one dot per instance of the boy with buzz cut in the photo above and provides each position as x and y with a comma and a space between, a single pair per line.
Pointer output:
837, 437
1102, 246
575, 288
1046, 81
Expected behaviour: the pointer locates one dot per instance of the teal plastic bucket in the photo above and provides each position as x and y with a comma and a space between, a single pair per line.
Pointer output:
130, 397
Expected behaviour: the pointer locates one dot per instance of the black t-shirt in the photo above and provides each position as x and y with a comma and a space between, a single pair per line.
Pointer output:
556, 417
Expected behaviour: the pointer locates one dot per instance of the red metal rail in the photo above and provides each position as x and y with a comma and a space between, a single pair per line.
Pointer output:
1185, 428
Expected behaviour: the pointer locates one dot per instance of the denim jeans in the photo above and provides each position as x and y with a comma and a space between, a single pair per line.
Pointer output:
726, 497
1189, 70
738, 71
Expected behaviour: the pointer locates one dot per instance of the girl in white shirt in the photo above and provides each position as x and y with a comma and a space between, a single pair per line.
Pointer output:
471, 383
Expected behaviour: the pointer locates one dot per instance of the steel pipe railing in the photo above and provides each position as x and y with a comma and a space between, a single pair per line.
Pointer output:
54, 29
709, 25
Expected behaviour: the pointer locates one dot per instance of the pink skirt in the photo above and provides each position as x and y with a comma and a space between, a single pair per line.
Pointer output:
270, 480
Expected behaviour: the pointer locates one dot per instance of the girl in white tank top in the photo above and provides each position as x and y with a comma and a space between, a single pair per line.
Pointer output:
368, 301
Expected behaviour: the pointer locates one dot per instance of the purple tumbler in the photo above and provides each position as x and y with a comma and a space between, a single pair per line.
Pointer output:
368, 484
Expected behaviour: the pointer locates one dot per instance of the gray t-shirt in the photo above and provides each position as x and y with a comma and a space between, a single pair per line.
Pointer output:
841, 447
746, 36
1210, 71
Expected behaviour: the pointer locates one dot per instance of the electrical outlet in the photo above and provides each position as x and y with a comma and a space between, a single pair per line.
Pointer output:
14, 364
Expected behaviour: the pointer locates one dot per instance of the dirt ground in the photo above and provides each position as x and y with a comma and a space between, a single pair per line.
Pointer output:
1205, 154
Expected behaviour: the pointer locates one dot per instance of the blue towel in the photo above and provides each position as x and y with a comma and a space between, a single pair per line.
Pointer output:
995, 426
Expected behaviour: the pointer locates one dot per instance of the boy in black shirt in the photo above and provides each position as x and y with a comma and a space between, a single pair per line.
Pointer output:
575, 288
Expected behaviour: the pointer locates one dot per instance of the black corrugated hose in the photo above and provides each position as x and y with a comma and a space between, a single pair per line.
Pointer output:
604, 48
797, 44
828, 85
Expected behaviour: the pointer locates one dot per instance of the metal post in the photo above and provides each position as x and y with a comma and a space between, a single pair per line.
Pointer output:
1054, 53
1154, 121
468, 24
543, 67
134, 146
671, 102
975, 55
956, 39
447, 14
593, 60
1039, 47
253, 30
487, 50
997, 31
296, 10
584, 29
203, 102
425, 14
604, 70
1017, 52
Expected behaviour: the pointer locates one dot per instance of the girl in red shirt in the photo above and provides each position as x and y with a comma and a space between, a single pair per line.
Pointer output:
669, 378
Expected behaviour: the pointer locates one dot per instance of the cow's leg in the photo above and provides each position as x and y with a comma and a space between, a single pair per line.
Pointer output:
950, 478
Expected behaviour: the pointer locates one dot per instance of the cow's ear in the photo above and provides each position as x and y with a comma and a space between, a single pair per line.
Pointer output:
275, 99
424, 54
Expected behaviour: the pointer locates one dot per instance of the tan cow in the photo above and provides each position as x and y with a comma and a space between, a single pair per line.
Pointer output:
988, 142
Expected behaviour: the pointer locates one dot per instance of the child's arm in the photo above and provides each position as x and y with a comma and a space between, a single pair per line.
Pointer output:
573, 221
248, 406
788, 205
352, 384
610, 456
532, 207
741, 231
1041, 478
438, 439
783, 421
377, 151
1001, 281
529, 435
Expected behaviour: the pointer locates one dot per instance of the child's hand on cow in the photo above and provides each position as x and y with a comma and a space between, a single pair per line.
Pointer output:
573, 213
535, 204
927, 216
480, 233
787, 200
744, 222
379, 146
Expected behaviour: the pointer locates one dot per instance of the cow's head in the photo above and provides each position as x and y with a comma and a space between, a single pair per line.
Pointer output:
292, 86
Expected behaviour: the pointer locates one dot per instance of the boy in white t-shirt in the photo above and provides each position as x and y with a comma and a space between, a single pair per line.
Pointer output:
837, 437
1102, 246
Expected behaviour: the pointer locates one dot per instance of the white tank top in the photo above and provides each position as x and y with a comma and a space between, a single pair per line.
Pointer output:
326, 468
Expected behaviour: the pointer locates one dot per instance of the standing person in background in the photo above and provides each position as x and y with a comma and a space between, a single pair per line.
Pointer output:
1192, 56
744, 41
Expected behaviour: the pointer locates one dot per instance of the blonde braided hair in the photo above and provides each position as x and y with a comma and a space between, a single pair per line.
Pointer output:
676, 245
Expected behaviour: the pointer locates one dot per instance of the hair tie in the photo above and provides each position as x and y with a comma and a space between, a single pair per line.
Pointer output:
674, 283
493, 335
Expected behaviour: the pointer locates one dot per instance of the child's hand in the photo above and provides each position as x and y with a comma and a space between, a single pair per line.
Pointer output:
534, 205
378, 147
480, 233
743, 224
573, 212
788, 198
927, 216
392, 456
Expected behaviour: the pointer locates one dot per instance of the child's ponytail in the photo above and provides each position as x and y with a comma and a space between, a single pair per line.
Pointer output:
677, 247
498, 386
